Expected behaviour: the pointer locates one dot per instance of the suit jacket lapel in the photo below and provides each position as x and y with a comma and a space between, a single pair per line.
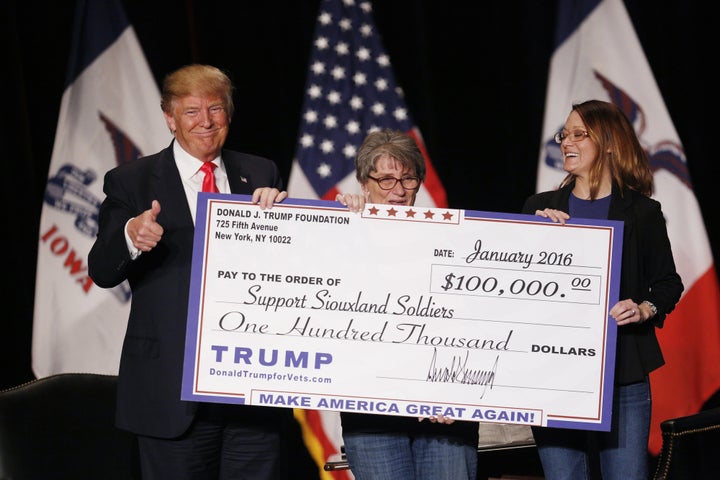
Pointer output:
238, 177
167, 187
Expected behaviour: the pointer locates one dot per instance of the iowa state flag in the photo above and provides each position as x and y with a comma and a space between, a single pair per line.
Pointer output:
598, 55
110, 114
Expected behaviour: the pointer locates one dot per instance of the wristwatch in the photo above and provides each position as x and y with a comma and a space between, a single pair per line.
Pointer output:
652, 306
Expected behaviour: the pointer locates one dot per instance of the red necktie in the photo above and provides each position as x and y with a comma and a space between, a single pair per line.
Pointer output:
209, 179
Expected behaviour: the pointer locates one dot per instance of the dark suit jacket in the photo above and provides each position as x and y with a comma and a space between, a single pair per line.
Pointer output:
648, 273
150, 375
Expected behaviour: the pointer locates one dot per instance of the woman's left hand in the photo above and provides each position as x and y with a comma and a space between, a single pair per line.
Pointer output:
627, 311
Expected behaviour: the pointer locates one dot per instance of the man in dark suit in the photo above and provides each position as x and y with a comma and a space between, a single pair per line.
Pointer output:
146, 236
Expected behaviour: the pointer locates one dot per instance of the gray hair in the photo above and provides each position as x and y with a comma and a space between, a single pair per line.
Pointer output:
393, 143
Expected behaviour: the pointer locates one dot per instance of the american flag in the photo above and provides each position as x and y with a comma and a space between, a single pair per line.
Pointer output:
350, 91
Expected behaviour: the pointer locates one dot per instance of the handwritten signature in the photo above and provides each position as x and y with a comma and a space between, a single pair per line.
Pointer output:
458, 372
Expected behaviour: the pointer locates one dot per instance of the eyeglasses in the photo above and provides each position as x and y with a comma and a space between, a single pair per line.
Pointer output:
388, 183
574, 136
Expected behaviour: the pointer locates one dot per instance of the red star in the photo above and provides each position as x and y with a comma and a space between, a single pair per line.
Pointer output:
429, 214
410, 213
447, 216
373, 211
392, 212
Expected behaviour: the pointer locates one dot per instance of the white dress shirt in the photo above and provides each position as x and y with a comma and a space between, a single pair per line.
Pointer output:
192, 179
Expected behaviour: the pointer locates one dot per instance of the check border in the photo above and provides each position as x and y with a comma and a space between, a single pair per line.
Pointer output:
194, 376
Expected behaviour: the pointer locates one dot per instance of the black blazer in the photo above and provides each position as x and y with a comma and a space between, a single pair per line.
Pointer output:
150, 375
648, 273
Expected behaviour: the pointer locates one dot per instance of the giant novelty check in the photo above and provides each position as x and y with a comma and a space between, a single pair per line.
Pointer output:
405, 311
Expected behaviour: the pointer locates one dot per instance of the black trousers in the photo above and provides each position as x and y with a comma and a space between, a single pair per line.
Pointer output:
224, 442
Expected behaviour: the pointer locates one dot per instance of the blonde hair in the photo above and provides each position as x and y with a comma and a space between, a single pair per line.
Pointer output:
198, 80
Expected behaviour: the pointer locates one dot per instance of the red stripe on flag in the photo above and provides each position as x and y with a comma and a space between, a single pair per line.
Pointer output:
689, 342
432, 180
318, 443
331, 194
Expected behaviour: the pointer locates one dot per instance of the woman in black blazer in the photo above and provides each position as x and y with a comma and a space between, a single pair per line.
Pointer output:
609, 177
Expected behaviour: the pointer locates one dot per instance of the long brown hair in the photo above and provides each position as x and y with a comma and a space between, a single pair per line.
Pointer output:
619, 148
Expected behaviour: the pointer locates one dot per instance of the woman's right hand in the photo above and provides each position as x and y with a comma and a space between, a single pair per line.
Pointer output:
557, 216
354, 201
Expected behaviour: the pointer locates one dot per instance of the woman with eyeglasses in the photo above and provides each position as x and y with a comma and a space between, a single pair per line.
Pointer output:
390, 168
609, 177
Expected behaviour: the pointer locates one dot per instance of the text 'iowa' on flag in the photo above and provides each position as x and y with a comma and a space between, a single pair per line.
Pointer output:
109, 114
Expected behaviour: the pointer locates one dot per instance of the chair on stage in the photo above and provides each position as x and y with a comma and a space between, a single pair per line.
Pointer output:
690, 447
63, 427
